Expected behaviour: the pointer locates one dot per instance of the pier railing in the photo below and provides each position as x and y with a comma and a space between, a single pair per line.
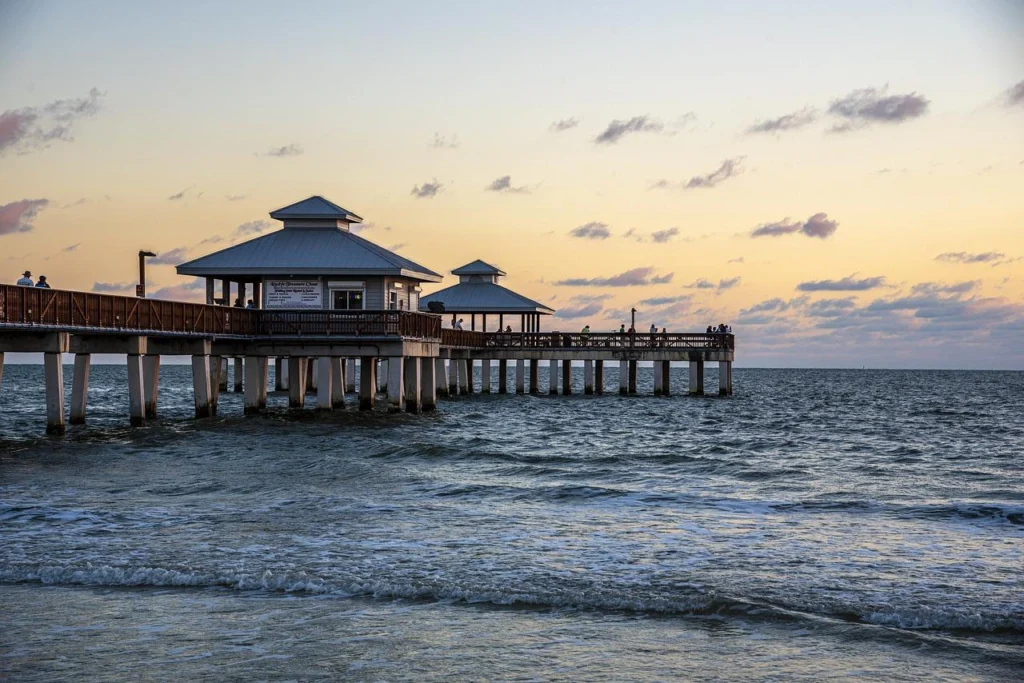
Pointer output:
596, 341
349, 323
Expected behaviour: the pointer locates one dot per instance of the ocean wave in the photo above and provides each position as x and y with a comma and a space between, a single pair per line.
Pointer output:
681, 600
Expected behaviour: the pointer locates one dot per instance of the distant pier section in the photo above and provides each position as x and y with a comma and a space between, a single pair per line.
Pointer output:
337, 315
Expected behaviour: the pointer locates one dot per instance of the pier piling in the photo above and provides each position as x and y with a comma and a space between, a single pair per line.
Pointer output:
724, 378
338, 383
553, 377
296, 381
367, 382
465, 376
588, 377
485, 376
666, 378
80, 388
411, 383
566, 377
150, 383
503, 376
453, 376
280, 379
534, 376
696, 387
440, 377
202, 386
599, 376
54, 371
428, 382
396, 385
623, 377
350, 375
239, 362
632, 377
521, 376
253, 374
325, 379
658, 378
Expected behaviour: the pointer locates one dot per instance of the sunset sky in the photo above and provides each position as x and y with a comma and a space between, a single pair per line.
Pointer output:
842, 182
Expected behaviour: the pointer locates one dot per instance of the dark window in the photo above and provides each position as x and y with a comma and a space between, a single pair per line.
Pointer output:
347, 300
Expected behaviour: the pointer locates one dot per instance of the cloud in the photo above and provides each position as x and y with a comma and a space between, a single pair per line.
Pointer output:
846, 284
729, 283
592, 230
73, 204
504, 184
178, 196
830, 308
292, 150
442, 142
18, 216
872, 105
236, 197
617, 129
993, 258
72, 247
942, 288
738, 259
252, 227
170, 258
31, 129
630, 278
665, 300
427, 190
564, 124
728, 169
1014, 96
396, 246
103, 287
797, 119
662, 236
819, 225
186, 292
704, 283
582, 306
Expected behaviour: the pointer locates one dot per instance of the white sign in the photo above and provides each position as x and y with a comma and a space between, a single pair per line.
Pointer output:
293, 294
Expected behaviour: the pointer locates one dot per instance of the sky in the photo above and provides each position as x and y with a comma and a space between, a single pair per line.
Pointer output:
842, 182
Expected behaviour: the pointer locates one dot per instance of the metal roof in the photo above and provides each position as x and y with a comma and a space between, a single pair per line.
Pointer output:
483, 297
312, 251
315, 207
478, 267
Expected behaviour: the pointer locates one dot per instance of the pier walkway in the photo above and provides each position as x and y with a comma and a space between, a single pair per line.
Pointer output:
320, 350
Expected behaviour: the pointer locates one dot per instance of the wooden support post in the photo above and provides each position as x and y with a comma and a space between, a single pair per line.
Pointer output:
350, 375
566, 377
80, 388
428, 382
454, 365
253, 377
656, 371
136, 390
325, 383
502, 376
725, 378
485, 376
466, 375
239, 363
440, 377
599, 377
209, 291
588, 377
338, 383
666, 378
623, 377
296, 381
696, 387
411, 383
553, 377
632, 377
218, 370
534, 376
280, 378
367, 382
151, 383
520, 376
202, 385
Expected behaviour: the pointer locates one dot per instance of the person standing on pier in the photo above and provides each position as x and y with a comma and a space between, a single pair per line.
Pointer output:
26, 280
43, 284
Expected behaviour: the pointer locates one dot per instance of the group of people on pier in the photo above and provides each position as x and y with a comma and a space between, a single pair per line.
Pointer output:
26, 281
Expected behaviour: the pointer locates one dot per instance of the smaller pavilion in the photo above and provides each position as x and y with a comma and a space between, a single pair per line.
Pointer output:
478, 293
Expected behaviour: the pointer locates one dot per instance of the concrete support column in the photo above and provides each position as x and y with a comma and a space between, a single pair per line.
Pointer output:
696, 378
80, 388
440, 377
623, 377
666, 378
280, 378
466, 376
136, 390
657, 378
202, 387
485, 376
588, 377
312, 376
1, 368
385, 367
222, 375
725, 378
553, 377
521, 376
217, 370
324, 398
411, 384
428, 382
350, 375
54, 371
239, 362
253, 375
338, 383
367, 382
454, 365
534, 376
264, 364
632, 377
599, 376
396, 384
502, 376
296, 381
151, 383
566, 377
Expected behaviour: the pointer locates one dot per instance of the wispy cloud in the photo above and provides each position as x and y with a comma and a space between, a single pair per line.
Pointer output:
504, 184
630, 278
75, 203
171, 257
662, 236
792, 121
444, 142
178, 196
866, 106
397, 246
721, 285
847, 284
592, 231
617, 129
819, 225
582, 306
18, 216
236, 197
992, 258
31, 129
738, 259
252, 228
665, 300
71, 247
292, 150
727, 169
1014, 96
564, 124
427, 190
103, 287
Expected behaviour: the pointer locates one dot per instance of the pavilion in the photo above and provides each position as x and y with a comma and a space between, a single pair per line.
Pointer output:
478, 293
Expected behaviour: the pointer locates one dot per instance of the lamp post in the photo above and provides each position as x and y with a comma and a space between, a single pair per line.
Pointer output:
632, 321
140, 289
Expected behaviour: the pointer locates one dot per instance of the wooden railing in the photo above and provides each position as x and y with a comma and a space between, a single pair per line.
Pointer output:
612, 340
349, 323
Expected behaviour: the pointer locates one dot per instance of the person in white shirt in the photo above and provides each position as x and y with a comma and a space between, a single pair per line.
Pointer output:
458, 325
26, 280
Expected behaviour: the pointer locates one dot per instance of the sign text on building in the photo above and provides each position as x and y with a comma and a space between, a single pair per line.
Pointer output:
293, 294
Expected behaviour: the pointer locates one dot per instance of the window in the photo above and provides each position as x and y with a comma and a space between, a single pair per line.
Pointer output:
347, 299
392, 300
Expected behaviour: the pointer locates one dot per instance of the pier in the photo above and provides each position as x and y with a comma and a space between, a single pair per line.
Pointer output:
331, 311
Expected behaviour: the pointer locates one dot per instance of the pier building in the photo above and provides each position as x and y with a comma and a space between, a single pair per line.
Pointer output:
331, 308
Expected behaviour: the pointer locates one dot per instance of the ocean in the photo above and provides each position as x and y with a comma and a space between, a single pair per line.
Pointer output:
820, 524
